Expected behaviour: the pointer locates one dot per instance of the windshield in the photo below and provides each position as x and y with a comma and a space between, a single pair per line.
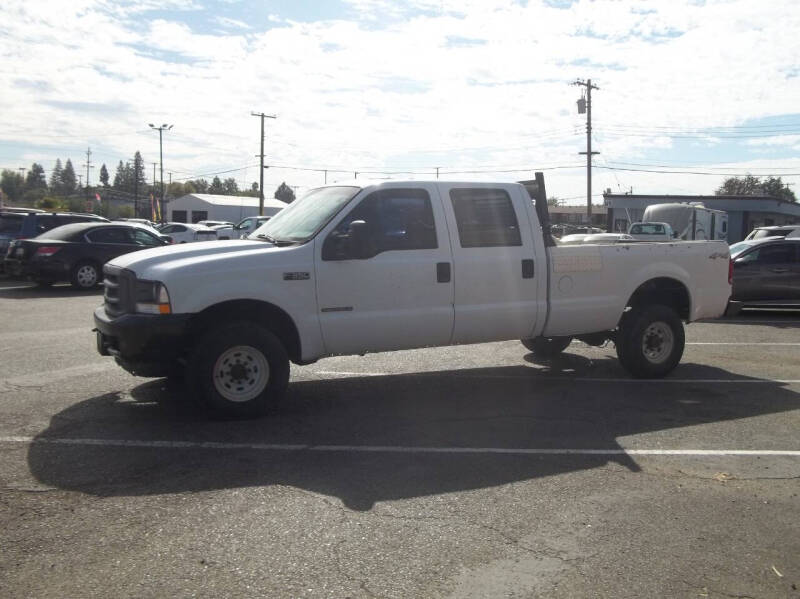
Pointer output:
763, 233
738, 248
303, 218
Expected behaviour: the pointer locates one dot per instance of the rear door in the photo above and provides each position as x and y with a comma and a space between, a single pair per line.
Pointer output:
107, 243
769, 272
495, 262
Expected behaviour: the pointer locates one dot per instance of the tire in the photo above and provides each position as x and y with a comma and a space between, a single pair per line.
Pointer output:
650, 341
239, 370
545, 348
85, 275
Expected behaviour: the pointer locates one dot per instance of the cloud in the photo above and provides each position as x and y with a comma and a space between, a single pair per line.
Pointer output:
421, 84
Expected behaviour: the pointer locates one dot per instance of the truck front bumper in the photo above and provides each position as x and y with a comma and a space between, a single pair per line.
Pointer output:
143, 344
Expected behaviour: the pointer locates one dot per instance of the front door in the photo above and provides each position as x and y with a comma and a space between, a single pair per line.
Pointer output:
394, 289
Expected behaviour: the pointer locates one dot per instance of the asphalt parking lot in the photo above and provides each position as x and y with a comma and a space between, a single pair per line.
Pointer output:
451, 472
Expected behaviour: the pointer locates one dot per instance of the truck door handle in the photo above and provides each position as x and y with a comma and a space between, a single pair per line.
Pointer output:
442, 272
528, 268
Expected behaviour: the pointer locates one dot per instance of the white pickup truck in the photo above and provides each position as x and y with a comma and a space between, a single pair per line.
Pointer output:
351, 269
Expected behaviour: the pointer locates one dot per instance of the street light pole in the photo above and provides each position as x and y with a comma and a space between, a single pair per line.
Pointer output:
161, 130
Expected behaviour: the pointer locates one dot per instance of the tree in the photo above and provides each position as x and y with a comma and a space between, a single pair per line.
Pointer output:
284, 193
754, 186
12, 184
230, 187
69, 181
55, 178
119, 176
216, 187
36, 178
104, 175
138, 171
554, 201
196, 186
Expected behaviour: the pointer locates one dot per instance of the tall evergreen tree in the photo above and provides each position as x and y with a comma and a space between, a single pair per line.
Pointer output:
104, 175
138, 171
119, 176
68, 178
56, 186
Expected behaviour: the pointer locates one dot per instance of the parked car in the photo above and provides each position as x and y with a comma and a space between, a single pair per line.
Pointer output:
16, 225
76, 252
766, 272
247, 225
651, 231
773, 231
187, 232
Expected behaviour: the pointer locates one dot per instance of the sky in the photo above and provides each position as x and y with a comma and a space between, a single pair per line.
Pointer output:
689, 91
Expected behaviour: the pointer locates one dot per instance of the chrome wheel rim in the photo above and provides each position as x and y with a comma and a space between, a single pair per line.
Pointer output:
657, 342
87, 276
241, 373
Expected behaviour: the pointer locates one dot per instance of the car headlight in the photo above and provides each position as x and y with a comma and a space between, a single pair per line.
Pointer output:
152, 297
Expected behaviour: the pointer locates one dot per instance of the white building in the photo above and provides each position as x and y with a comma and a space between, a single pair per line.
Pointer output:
195, 207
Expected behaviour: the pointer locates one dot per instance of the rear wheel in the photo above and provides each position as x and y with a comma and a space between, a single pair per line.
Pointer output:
240, 369
650, 341
85, 275
545, 348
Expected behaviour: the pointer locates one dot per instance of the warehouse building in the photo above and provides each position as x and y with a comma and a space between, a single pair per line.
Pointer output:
745, 213
195, 207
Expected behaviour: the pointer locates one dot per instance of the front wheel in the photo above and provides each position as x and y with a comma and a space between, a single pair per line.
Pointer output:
240, 369
650, 341
545, 348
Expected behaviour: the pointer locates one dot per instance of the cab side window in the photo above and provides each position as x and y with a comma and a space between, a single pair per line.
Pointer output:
394, 219
485, 218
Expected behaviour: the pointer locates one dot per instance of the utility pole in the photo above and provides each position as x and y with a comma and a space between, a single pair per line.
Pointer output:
261, 155
161, 130
586, 106
88, 165
152, 210
135, 188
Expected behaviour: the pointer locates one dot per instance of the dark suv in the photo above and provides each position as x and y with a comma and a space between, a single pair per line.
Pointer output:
17, 225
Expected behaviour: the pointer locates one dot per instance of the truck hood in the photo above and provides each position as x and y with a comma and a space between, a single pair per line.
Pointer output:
196, 254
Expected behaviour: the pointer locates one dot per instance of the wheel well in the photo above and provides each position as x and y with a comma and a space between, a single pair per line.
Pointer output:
664, 291
269, 315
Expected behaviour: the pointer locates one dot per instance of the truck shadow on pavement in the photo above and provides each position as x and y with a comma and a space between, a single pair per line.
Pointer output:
366, 439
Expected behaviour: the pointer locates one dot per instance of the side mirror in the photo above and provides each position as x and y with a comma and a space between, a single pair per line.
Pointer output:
167, 239
360, 243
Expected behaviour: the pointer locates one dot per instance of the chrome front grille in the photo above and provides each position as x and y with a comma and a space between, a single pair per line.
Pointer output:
118, 294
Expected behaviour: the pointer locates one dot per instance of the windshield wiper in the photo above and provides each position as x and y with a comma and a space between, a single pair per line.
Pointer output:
278, 242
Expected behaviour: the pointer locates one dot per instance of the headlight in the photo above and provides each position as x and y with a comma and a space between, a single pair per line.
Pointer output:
152, 297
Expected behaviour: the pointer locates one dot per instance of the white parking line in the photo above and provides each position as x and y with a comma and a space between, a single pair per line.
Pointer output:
534, 371
397, 449
779, 343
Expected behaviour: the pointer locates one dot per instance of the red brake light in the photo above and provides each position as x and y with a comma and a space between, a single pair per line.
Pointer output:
730, 271
47, 250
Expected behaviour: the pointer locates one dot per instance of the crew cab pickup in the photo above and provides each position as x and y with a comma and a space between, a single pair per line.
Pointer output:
351, 269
